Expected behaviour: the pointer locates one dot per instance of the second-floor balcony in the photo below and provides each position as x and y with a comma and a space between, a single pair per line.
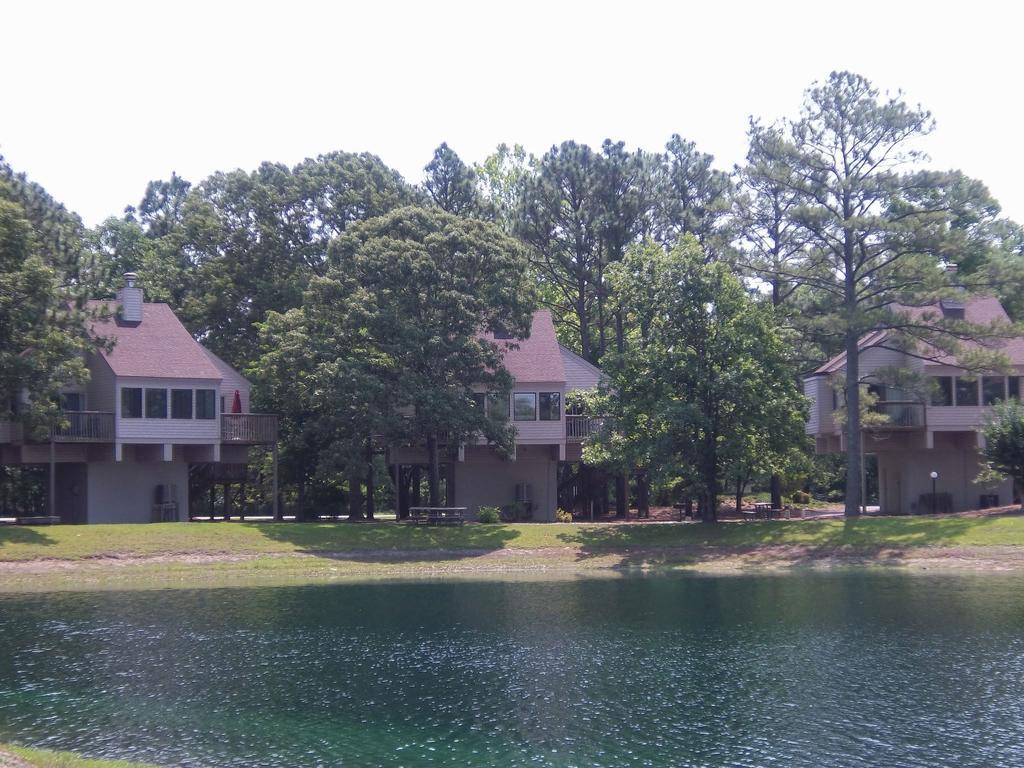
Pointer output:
84, 427
578, 428
248, 428
896, 414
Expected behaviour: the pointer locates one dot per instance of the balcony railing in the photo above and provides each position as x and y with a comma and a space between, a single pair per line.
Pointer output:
900, 414
84, 427
248, 428
579, 428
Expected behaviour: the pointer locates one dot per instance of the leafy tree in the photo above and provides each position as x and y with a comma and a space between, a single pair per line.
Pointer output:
705, 390
452, 184
416, 287
501, 178
42, 321
875, 227
240, 245
1003, 452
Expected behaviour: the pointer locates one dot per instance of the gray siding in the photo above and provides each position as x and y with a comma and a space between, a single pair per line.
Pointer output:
579, 374
124, 492
100, 391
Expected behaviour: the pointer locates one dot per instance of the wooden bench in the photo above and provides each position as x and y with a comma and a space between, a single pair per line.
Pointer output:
437, 515
38, 520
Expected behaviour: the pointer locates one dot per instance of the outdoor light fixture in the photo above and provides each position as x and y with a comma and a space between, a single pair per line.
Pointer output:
935, 476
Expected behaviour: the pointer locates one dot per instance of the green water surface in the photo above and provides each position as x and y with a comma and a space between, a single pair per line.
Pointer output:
805, 670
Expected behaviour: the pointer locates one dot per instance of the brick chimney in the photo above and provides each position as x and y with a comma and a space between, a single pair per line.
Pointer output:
130, 298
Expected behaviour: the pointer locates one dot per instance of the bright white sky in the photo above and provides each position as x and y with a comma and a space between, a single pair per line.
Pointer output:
99, 98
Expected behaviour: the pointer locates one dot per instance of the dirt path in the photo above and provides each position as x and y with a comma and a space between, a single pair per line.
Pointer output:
988, 558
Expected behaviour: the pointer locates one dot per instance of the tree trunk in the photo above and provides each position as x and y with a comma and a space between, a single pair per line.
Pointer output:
776, 491
355, 494
370, 480
621, 497
709, 514
417, 481
402, 485
853, 436
434, 471
739, 495
643, 502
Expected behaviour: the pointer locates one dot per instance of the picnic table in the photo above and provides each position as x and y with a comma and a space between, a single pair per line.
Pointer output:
437, 515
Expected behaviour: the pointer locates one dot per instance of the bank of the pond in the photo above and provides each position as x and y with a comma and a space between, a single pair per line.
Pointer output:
217, 553
22, 757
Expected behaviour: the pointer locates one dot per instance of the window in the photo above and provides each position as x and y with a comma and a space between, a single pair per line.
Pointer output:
206, 404
878, 391
497, 406
72, 401
156, 403
181, 403
993, 389
502, 335
550, 406
525, 406
942, 390
966, 391
479, 400
131, 403
1014, 387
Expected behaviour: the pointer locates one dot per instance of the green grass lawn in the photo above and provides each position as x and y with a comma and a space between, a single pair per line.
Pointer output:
248, 539
44, 759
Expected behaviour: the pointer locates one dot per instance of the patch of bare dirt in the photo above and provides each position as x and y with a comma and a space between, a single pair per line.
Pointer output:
7, 760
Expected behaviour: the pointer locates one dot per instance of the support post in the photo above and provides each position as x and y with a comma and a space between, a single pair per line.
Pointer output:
276, 503
53, 478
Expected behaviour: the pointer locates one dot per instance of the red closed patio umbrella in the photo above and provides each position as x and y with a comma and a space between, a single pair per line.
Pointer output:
236, 403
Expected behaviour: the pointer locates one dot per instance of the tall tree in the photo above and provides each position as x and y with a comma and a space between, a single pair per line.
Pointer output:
240, 245
562, 217
502, 177
42, 317
705, 388
418, 286
875, 227
694, 198
452, 184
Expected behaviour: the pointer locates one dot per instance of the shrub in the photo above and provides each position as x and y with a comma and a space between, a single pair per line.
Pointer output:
562, 516
836, 496
801, 497
513, 512
489, 515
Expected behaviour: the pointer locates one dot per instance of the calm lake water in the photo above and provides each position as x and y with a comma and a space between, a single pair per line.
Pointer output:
805, 670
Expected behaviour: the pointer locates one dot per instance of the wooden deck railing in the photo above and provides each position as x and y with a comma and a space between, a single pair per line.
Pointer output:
248, 428
84, 427
900, 414
579, 428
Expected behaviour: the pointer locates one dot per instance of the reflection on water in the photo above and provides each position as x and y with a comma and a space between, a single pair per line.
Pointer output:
810, 670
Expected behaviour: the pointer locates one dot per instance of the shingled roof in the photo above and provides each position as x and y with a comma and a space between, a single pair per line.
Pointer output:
984, 311
537, 358
157, 347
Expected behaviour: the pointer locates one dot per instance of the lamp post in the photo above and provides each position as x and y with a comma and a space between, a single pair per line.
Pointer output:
935, 476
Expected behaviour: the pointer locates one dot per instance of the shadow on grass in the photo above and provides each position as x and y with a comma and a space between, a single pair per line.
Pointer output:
788, 543
388, 542
17, 534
